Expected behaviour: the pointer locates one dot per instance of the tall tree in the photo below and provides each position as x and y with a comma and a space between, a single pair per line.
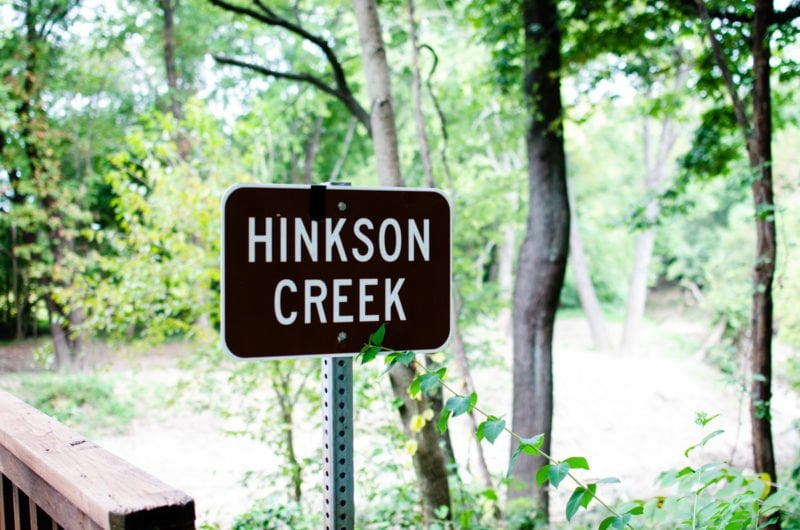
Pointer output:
543, 254
41, 205
656, 162
755, 124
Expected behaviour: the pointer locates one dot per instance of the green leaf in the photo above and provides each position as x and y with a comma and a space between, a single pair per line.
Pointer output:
443, 418
574, 502
541, 474
513, 459
490, 494
606, 523
619, 523
589, 495
461, 404
710, 436
376, 339
577, 462
414, 387
491, 429
429, 381
531, 445
405, 357
369, 354
557, 473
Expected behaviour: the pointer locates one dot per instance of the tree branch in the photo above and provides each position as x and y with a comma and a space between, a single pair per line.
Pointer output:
345, 97
738, 105
779, 17
269, 17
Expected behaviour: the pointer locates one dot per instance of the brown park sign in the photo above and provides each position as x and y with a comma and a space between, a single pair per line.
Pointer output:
314, 270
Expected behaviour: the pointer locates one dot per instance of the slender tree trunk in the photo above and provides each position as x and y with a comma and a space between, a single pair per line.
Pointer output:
464, 372
312, 144
758, 137
19, 304
376, 70
348, 139
168, 8
543, 254
583, 283
760, 148
63, 352
416, 93
655, 174
281, 386
430, 464
168, 14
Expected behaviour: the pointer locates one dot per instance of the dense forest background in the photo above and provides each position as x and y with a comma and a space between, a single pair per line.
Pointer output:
597, 154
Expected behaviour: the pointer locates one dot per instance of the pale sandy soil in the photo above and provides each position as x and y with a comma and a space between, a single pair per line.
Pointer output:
630, 416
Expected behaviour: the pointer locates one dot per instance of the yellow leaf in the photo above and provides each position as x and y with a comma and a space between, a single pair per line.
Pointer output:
428, 414
438, 357
417, 422
767, 480
411, 447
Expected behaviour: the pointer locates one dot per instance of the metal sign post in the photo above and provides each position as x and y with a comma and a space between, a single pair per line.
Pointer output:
337, 428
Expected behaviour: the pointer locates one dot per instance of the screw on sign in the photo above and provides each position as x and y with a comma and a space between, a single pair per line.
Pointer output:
315, 270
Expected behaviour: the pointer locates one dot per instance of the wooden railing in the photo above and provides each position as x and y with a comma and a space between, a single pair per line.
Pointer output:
55, 479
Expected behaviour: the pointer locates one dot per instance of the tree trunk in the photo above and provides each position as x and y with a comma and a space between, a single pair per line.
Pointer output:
464, 372
16, 288
758, 137
430, 464
583, 283
655, 174
760, 148
348, 139
416, 92
312, 143
174, 93
543, 254
61, 345
168, 14
379, 89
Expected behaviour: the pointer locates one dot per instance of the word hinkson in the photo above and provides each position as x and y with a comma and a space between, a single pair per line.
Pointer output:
289, 239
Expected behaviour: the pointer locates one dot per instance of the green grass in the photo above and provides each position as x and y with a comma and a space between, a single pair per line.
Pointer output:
87, 402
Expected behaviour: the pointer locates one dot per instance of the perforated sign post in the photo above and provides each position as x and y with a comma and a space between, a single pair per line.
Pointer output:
314, 270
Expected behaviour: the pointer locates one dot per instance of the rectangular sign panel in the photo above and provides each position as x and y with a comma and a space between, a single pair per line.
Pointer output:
314, 270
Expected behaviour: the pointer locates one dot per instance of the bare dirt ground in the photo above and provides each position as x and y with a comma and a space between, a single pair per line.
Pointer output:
631, 416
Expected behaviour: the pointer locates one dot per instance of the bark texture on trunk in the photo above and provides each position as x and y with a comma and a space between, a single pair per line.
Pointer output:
760, 148
430, 463
543, 254
379, 89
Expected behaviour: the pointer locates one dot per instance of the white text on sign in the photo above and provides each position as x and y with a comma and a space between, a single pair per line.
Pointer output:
293, 240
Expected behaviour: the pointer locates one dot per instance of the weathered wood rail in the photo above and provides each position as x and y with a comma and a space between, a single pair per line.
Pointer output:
54, 479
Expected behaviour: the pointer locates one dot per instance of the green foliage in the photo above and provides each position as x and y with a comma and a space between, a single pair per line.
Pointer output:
87, 401
276, 514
